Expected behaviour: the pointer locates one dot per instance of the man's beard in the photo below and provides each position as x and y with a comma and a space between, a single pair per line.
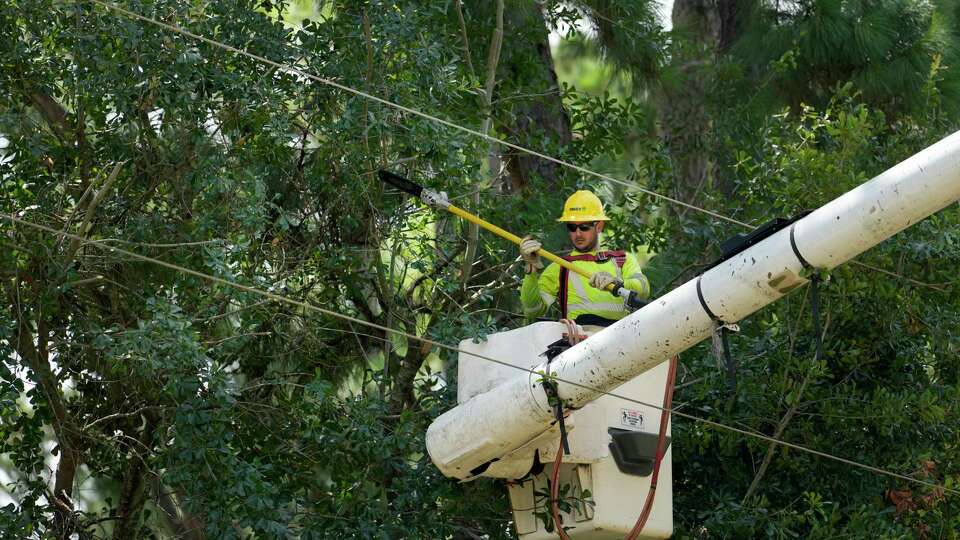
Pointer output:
591, 247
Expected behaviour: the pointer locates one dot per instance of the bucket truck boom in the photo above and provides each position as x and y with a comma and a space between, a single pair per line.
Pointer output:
465, 441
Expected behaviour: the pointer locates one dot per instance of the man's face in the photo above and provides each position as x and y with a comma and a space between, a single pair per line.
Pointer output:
584, 234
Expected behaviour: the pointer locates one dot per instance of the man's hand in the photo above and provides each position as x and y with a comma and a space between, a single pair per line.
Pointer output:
601, 280
528, 250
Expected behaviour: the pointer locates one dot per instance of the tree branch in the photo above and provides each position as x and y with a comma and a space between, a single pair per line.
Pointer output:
121, 415
131, 500
463, 34
67, 437
52, 112
402, 394
773, 446
447, 259
493, 59
90, 211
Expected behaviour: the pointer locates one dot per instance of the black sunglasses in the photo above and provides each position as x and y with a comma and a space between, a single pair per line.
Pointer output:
582, 226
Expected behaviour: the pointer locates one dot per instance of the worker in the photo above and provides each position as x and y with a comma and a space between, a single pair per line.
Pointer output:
580, 299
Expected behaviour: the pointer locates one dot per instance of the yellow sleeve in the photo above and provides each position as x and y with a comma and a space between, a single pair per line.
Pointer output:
633, 277
539, 290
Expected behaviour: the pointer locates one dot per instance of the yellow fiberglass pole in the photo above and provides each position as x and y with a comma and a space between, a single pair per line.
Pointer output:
507, 235
434, 198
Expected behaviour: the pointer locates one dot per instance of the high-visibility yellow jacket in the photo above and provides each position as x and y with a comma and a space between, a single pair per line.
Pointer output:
539, 290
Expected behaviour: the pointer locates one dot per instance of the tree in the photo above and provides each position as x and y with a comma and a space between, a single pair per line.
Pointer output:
165, 405
195, 409
774, 148
198, 409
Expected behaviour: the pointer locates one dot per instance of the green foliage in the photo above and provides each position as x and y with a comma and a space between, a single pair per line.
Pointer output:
140, 402
882, 392
887, 48
198, 406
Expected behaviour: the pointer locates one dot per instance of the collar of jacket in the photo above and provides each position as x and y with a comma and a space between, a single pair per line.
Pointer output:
592, 252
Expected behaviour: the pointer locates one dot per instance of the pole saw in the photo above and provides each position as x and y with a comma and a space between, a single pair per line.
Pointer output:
438, 199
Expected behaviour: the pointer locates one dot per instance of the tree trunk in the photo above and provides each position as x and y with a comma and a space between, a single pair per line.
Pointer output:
185, 525
539, 122
67, 435
131, 501
492, 161
707, 28
401, 395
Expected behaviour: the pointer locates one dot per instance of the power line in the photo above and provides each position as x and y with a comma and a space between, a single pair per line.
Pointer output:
297, 71
335, 314
447, 123
935, 286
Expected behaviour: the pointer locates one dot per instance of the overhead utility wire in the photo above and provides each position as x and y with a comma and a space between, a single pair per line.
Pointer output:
345, 88
447, 123
331, 313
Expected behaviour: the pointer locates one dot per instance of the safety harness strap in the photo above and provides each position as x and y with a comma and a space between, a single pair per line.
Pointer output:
562, 292
601, 257
619, 256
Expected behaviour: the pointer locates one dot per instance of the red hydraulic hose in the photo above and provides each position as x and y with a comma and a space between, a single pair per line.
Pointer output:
661, 449
573, 337
554, 489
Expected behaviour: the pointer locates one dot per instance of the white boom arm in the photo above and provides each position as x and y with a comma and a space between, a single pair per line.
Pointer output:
492, 424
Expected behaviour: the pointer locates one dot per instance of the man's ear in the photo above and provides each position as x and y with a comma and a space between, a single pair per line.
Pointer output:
600, 226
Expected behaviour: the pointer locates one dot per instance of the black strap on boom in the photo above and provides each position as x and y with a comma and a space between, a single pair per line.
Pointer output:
729, 249
721, 342
740, 242
729, 362
815, 280
550, 387
703, 303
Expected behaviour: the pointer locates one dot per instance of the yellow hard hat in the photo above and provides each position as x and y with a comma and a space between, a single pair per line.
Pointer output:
583, 206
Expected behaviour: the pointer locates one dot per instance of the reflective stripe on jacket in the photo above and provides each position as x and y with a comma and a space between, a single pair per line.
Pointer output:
539, 291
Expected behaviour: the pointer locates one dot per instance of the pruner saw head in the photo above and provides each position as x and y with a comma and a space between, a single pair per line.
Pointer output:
428, 196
